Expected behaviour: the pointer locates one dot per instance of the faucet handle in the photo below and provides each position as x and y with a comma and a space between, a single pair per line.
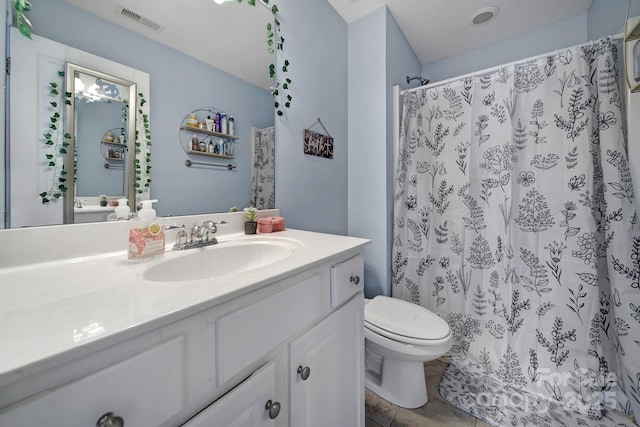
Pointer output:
181, 237
174, 226
195, 231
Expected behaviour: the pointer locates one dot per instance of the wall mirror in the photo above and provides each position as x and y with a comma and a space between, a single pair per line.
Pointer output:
102, 130
54, 90
102, 32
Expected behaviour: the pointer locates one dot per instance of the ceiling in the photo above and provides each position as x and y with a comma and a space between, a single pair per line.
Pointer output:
212, 33
231, 36
425, 23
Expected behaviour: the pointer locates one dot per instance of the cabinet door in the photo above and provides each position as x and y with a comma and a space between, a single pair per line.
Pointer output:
247, 405
326, 370
145, 390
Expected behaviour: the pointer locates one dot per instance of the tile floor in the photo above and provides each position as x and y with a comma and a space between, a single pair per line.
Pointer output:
437, 412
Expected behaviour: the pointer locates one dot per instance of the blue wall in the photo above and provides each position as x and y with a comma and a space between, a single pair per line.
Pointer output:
311, 191
604, 17
379, 58
179, 84
548, 38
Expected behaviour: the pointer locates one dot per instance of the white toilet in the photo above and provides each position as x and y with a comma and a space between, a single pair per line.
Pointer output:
399, 337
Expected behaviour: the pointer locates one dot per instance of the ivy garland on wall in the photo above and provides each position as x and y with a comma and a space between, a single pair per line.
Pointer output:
275, 42
56, 143
143, 179
22, 6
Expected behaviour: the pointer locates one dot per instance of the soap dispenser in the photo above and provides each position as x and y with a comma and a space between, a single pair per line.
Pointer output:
122, 210
146, 236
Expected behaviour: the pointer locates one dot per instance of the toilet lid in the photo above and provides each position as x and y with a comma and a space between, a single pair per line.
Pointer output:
405, 319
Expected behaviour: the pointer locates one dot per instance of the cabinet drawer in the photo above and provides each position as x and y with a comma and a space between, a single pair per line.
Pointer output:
245, 405
248, 334
347, 279
145, 390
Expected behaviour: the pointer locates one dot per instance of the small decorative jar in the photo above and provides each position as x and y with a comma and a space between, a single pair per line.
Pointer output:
192, 121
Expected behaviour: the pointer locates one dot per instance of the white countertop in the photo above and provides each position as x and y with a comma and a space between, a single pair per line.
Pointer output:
51, 312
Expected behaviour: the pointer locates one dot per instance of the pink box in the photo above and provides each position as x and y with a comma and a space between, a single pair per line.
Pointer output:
270, 224
264, 225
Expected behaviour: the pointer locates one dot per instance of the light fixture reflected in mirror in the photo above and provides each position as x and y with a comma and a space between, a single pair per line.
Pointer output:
221, 1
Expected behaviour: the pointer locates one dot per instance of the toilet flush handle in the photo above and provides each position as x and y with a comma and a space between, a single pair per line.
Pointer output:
304, 372
355, 280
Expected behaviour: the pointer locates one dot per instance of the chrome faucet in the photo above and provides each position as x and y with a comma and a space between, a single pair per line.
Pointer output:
208, 227
198, 237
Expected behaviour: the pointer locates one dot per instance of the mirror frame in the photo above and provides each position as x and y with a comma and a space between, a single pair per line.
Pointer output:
70, 123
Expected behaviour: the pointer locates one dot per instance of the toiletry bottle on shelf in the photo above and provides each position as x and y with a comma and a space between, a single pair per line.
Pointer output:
195, 145
192, 121
210, 150
146, 236
209, 123
221, 149
223, 123
217, 121
231, 126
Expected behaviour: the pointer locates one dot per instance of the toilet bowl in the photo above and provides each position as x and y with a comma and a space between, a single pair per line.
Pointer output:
399, 338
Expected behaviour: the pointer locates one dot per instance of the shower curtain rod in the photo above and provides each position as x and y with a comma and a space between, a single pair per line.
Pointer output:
492, 70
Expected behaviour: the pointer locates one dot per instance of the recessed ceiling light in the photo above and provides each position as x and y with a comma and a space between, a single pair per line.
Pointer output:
484, 15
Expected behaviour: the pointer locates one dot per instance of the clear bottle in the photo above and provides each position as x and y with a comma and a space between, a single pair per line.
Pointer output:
210, 150
223, 123
232, 126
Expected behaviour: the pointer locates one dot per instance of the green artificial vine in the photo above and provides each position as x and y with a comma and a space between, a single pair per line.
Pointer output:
56, 143
22, 6
275, 41
143, 179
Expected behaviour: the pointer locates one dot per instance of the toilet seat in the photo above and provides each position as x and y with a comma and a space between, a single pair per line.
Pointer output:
403, 321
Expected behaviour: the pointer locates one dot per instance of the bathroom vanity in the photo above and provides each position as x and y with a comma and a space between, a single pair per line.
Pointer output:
275, 341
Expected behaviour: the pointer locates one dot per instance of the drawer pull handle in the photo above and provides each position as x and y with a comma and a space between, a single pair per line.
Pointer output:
304, 372
110, 420
355, 280
273, 408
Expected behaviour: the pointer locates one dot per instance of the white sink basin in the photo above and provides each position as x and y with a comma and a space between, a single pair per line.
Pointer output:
228, 257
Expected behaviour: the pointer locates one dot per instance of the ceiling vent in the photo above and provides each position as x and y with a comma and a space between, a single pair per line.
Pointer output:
139, 18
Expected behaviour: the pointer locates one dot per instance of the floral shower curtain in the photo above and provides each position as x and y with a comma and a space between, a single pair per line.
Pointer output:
263, 175
514, 220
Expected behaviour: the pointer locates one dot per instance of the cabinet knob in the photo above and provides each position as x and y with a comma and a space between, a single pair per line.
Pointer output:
110, 420
355, 280
304, 372
273, 408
